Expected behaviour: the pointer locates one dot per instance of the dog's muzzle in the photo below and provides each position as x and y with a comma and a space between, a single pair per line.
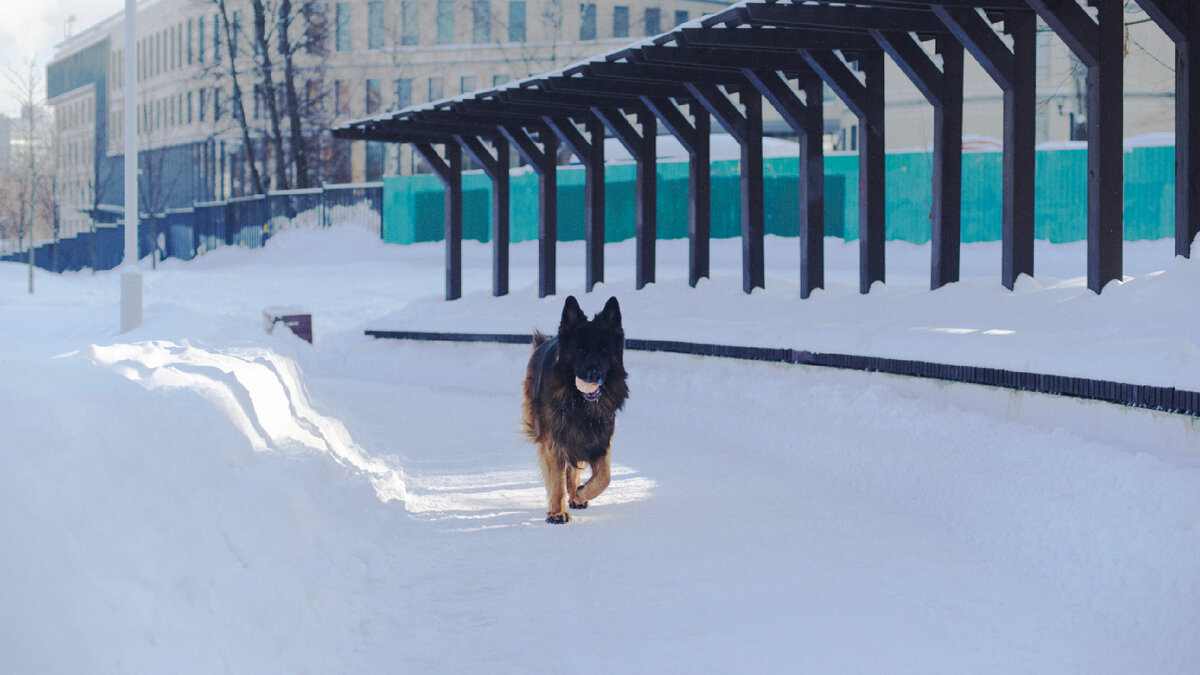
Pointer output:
590, 390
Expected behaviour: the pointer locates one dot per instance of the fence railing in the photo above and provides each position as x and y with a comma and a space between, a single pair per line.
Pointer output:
184, 233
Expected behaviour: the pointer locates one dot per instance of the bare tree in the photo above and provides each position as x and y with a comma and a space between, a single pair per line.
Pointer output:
26, 88
287, 50
239, 109
98, 184
262, 41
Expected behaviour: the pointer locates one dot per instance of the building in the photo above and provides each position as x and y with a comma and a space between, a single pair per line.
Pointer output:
361, 57
1061, 95
349, 59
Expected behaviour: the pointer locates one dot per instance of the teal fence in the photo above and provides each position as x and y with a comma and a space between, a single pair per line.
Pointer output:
413, 206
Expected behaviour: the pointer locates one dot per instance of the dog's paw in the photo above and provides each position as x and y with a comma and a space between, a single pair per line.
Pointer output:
578, 504
558, 518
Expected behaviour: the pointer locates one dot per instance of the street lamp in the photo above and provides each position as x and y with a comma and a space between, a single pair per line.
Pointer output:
131, 279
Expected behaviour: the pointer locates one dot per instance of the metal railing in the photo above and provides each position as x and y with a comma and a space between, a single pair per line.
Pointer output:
185, 233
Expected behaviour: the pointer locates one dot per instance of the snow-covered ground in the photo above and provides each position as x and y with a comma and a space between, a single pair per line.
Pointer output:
200, 496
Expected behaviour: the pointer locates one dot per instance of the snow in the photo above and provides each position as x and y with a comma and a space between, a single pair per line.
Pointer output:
200, 496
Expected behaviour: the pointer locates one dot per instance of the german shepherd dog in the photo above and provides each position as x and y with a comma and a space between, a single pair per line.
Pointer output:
574, 386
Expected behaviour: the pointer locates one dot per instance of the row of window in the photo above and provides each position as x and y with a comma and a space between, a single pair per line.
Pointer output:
188, 42
401, 93
481, 23
75, 114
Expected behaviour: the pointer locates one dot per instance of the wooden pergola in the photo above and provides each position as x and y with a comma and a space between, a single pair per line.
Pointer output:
724, 66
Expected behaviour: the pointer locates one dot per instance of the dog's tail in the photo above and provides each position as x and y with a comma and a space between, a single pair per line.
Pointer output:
539, 338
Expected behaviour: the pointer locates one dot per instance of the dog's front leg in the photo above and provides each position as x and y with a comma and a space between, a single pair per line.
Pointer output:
554, 472
601, 476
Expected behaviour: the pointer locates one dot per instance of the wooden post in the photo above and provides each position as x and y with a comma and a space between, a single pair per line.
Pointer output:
1181, 22
943, 89
694, 136
1099, 44
590, 152
544, 161
642, 145
866, 101
449, 170
496, 167
746, 129
1013, 72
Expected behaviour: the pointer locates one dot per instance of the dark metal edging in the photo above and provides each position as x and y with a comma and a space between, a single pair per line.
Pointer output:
1167, 399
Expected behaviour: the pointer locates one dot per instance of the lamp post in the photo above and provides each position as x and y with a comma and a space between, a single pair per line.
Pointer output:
131, 278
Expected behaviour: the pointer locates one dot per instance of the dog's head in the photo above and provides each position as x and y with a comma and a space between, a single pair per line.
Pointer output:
591, 350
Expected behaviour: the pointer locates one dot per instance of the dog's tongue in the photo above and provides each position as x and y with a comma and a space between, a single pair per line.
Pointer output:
588, 389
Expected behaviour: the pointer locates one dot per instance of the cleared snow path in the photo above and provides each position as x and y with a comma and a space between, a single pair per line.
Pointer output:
201, 497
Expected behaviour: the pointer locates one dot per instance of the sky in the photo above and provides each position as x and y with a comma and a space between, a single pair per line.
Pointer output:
32, 29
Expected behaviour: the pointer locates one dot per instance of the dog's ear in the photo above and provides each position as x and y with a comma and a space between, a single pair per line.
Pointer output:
572, 315
611, 314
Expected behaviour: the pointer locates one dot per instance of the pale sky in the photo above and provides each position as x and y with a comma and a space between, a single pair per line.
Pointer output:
32, 28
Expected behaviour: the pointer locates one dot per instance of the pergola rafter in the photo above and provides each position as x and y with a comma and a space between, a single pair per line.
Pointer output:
726, 65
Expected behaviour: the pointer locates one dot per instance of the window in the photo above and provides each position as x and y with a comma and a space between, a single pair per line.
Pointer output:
587, 25
375, 24
201, 101
466, 85
374, 98
621, 21
316, 30
435, 88
498, 80
481, 13
403, 90
374, 165
189, 42
681, 16
342, 27
200, 39
216, 37
312, 89
516, 21
411, 30
653, 21
445, 22
216, 104
341, 97
1042, 56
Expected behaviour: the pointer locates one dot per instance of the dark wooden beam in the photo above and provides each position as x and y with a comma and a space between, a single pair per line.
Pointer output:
844, 18
590, 151
746, 129
812, 224
1099, 44
788, 60
865, 99
449, 170
807, 119
943, 88
544, 160
771, 39
642, 146
665, 74
693, 134
1181, 22
497, 168
1014, 72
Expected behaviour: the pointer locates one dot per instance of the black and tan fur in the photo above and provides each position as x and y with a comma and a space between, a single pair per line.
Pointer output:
569, 429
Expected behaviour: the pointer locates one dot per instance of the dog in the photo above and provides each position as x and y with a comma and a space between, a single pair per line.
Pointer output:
574, 386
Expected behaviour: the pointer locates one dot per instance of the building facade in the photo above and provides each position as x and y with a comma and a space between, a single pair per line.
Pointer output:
348, 60
357, 58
